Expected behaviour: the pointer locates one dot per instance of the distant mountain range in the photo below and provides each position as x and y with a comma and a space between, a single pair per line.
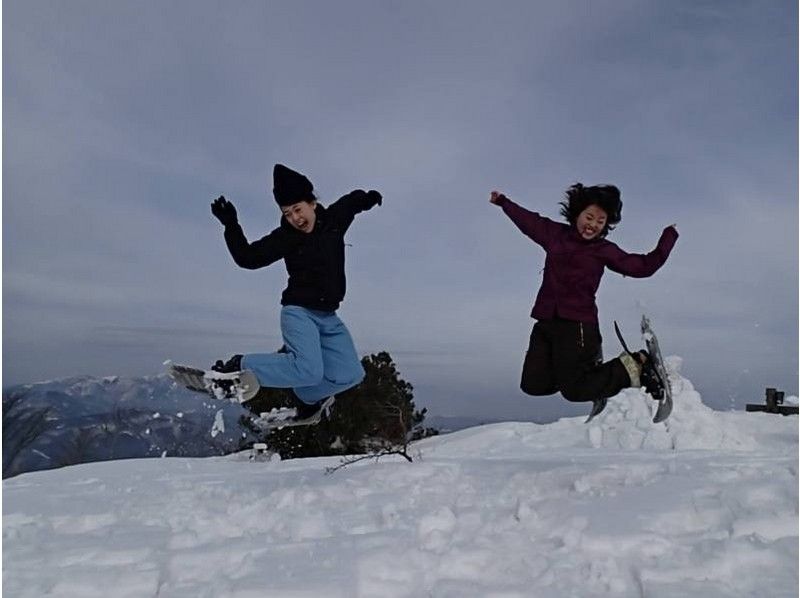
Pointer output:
83, 419
446, 424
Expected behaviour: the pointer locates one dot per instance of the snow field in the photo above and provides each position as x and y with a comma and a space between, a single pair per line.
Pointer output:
620, 507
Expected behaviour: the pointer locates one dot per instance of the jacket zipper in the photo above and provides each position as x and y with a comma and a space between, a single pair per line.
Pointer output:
580, 326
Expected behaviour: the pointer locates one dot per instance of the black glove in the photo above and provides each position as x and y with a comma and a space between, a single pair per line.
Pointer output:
363, 200
357, 195
234, 364
224, 211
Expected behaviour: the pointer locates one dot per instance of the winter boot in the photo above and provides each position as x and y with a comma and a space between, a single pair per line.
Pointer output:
633, 367
225, 388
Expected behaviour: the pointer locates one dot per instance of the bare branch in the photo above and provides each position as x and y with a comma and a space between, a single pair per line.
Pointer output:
376, 455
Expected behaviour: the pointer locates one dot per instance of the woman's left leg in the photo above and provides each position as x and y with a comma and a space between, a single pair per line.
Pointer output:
342, 368
300, 362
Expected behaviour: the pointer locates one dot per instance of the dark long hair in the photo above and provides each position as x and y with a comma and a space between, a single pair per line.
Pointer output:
578, 198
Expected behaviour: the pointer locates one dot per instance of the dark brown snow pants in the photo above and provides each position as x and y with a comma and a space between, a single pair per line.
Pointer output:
567, 357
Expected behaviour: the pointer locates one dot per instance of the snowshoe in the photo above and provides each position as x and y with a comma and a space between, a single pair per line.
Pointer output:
312, 412
236, 386
653, 374
657, 365
300, 414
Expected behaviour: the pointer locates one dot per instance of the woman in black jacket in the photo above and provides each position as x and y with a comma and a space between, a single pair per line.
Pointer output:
318, 358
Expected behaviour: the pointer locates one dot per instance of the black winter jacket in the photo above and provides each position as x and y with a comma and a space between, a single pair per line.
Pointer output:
314, 261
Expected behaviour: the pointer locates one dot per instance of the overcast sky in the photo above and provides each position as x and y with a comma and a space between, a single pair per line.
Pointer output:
122, 121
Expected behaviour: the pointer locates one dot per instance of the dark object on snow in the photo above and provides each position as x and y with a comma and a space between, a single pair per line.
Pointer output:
774, 404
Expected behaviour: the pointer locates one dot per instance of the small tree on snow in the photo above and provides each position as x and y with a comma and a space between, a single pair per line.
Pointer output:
22, 426
378, 415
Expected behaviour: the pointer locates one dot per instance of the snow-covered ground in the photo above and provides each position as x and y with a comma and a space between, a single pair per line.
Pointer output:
706, 505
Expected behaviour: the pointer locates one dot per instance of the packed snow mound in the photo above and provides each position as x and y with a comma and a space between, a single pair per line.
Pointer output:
625, 424
627, 421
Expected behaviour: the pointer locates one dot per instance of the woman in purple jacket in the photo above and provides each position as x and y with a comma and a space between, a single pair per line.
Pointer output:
565, 351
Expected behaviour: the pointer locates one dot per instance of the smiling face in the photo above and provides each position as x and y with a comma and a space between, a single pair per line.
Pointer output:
591, 222
301, 215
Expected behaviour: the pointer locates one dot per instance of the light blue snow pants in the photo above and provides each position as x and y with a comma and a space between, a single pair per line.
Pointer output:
320, 358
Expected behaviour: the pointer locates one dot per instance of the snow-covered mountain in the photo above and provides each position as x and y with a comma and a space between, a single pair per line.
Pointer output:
93, 419
704, 505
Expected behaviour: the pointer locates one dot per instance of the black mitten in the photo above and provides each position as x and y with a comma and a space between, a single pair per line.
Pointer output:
224, 211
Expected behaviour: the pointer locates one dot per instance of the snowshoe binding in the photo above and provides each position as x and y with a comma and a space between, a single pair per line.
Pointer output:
649, 376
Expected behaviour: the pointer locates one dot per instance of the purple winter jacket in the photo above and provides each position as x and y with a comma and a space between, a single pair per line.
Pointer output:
573, 266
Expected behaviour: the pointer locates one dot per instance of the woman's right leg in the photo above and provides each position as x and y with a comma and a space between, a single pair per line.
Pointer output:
538, 378
300, 364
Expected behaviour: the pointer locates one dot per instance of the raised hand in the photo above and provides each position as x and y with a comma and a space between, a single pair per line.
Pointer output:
364, 199
355, 195
496, 197
224, 211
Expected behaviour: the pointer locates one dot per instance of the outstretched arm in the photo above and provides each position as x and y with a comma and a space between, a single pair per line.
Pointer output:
538, 228
642, 265
258, 254
356, 202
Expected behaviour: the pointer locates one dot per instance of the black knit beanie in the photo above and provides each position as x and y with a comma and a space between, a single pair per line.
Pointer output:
290, 187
